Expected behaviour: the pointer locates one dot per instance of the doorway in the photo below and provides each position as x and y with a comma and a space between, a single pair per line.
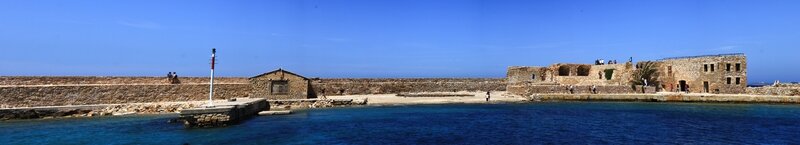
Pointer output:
682, 86
705, 86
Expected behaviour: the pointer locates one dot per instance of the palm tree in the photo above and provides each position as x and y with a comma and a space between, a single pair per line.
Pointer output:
647, 70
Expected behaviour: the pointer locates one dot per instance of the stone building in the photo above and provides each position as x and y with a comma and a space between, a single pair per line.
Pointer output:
571, 74
281, 84
723, 73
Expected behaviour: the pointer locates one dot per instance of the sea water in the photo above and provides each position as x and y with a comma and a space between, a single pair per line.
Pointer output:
532, 123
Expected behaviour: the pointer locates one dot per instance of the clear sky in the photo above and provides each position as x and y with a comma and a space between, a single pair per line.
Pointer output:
385, 38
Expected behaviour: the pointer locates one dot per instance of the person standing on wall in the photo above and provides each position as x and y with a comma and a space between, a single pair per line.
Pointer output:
169, 77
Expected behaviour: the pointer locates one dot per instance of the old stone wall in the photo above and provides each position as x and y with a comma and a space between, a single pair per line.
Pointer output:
72, 80
695, 71
572, 74
393, 86
520, 74
27, 96
297, 86
528, 90
778, 91
56, 91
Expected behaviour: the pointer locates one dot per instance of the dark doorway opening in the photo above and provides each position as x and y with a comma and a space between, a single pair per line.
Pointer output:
583, 70
682, 86
705, 86
563, 71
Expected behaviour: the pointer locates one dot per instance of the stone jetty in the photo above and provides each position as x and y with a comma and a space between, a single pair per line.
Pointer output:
222, 114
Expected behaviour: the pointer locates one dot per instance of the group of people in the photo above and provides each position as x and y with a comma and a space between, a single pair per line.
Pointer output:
603, 62
173, 78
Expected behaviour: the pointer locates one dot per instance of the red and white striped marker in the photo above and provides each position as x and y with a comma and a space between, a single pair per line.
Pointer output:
211, 83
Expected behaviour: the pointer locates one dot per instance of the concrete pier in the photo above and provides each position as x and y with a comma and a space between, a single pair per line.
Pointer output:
222, 114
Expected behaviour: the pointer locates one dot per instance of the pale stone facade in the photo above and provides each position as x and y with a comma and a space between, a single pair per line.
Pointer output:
281, 84
723, 73
571, 74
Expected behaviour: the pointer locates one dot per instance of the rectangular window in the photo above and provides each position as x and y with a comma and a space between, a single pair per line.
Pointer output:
712, 67
279, 87
738, 80
705, 67
728, 67
729, 80
669, 69
738, 66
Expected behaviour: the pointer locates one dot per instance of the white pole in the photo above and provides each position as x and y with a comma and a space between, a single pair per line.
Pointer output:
211, 82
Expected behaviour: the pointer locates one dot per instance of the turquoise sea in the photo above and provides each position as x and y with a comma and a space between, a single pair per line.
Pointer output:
532, 123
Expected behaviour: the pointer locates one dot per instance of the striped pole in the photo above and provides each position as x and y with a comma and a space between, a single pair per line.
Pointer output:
211, 83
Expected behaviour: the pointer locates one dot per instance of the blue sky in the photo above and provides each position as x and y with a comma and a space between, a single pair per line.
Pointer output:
385, 38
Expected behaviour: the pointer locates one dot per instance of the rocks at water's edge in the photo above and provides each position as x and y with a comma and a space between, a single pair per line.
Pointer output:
122, 109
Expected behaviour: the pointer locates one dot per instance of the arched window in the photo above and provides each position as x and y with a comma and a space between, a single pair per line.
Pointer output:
583, 70
563, 71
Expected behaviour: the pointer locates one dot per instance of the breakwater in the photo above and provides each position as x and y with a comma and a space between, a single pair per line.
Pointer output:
60, 95
60, 91
288, 104
223, 113
95, 110
406, 85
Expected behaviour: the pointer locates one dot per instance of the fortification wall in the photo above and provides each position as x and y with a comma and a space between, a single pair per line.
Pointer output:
36, 91
71, 80
29, 96
572, 74
778, 91
528, 90
392, 86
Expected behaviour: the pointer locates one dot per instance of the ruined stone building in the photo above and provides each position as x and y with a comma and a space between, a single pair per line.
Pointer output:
571, 74
281, 84
724, 73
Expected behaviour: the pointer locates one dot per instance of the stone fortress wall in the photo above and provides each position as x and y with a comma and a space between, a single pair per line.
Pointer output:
30, 96
782, 89
85, 80
351, 86
57, 91
720, 74
556, 79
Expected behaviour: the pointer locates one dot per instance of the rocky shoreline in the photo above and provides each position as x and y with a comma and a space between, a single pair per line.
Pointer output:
153, 108
95, 110
378, 100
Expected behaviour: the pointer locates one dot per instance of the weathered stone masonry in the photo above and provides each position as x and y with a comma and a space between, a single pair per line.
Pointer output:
281, 84
721, 74
57, 91
28, 96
